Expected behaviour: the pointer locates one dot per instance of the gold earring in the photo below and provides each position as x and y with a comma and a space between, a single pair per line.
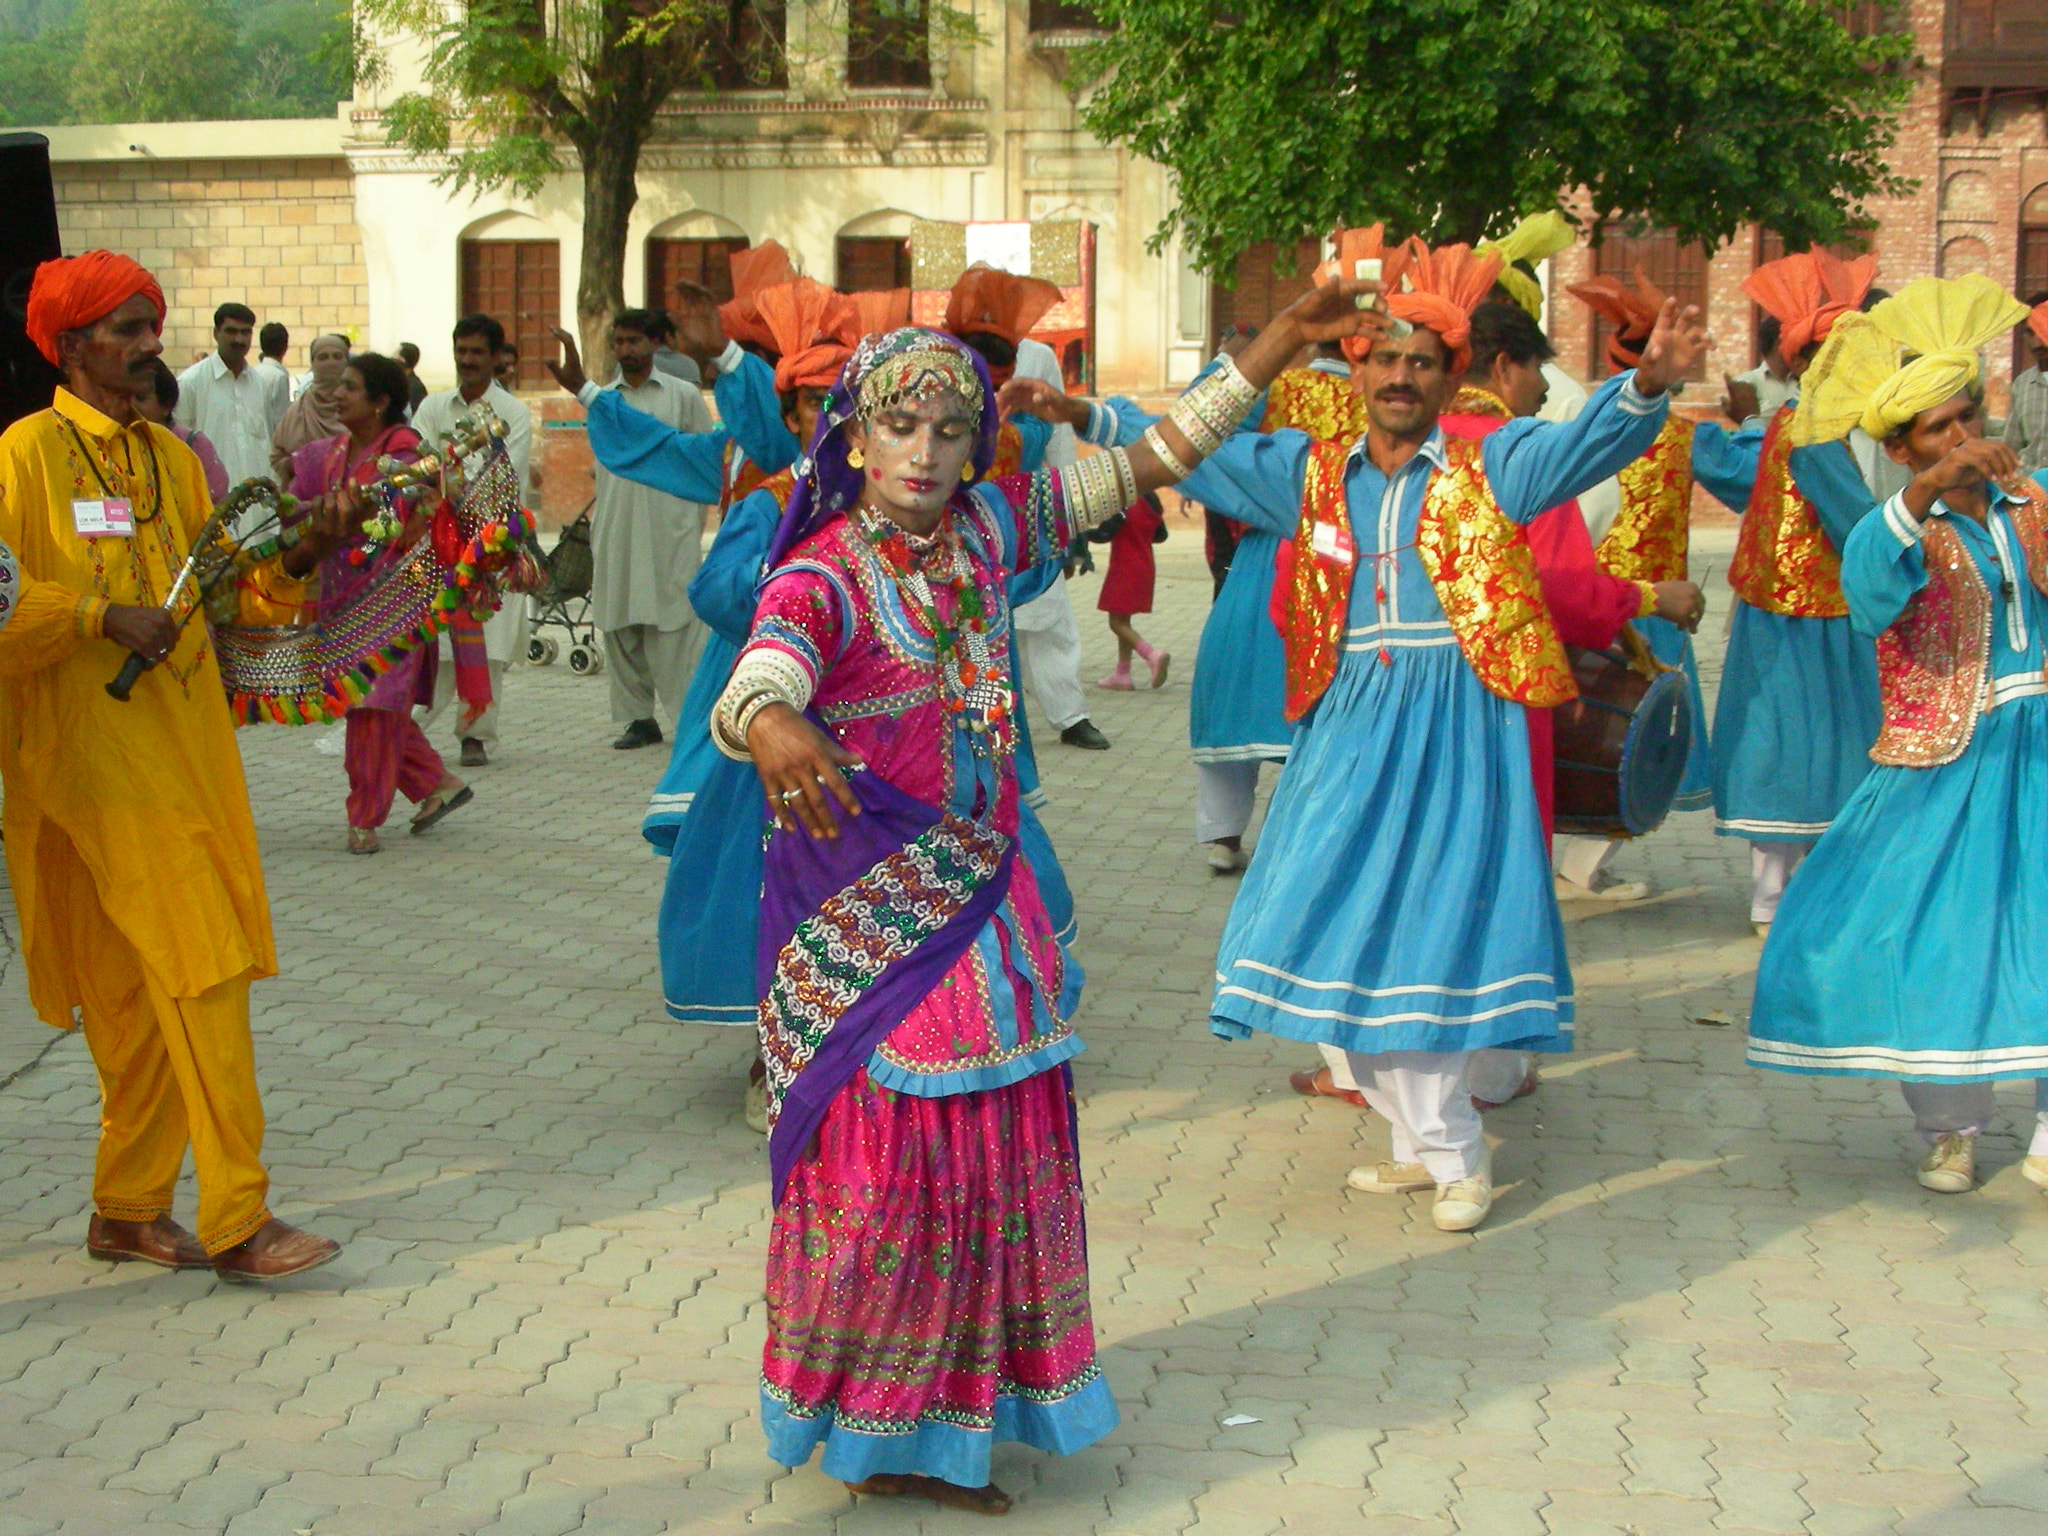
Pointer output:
968, 478
855, 458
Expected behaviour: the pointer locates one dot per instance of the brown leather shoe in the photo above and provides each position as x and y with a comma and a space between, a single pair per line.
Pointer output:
161, 1241
275, 1251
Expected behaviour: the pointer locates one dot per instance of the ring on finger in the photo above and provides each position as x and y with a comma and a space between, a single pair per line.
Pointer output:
790, 794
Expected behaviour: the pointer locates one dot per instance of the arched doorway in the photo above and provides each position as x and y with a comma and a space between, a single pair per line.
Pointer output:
511, 270
872, 252
695, 248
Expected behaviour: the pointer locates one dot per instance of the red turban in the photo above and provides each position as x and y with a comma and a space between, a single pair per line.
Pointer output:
1367, 243
2037, 321
1631, 310
1001, 303
74, 291
1807, 292
810, 325
1444, 287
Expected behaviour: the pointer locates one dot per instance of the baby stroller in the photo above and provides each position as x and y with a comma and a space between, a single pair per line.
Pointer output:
563, 601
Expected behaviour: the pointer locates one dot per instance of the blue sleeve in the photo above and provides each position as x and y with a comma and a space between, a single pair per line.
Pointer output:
1132, 419
1255, 477
1533, 465
1725, 462
1035, 432
634, 446
1883, 564
752, 412
1034, 581
722, 592
1826, 475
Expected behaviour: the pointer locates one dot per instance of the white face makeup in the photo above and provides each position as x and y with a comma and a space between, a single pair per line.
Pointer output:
916, 453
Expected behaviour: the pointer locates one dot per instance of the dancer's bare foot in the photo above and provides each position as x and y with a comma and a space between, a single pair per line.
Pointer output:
990, 1500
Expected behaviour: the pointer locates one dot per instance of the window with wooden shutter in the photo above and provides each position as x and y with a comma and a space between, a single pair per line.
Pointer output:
1261, 291
518, 283
873, 262
1678, 268
708, 263
888, 43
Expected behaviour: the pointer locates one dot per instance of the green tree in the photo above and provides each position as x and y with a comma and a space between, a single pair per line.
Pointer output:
35, 78
1448, 118
155, 61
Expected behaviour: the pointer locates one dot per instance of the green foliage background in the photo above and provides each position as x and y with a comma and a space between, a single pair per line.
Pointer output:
97, 61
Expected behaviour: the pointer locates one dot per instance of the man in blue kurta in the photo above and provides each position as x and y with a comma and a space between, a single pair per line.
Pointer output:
1399, 905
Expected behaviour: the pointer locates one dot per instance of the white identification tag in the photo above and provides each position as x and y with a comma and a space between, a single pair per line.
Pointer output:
1331, 542
113, 518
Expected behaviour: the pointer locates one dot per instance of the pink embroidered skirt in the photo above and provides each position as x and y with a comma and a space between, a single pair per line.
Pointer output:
928, 1286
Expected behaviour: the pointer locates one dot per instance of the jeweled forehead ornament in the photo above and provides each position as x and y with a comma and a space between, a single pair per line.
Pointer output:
917, 375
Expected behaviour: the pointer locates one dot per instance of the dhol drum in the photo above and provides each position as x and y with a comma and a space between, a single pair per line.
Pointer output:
1620, 746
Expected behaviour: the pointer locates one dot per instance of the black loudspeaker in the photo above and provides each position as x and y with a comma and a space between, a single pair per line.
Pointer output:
28, 236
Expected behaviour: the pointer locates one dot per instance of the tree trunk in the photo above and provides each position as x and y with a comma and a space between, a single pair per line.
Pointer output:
611, 158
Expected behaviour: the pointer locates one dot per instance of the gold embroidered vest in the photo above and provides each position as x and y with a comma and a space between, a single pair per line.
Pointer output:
1009, 459
1477, 558
1783, 560
1320, 404
1652, 533
1934, 663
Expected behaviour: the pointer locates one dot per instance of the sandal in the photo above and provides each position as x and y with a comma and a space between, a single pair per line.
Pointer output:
363, 840
439, 804
1320, 1085
986, 1500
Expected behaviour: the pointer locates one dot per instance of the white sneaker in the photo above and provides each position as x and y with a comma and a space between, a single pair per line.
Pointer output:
2035, 1170
1224, 859
1951, 1167
1462, 1205
1390, 1178
1763, 930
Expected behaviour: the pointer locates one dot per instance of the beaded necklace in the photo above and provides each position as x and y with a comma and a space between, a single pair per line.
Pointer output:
972, 688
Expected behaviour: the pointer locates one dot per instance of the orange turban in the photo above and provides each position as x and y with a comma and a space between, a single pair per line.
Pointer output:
810, 325
73, 291
2037, 321
1808, 291
1367, 243
1444, 287
1001, 303
1632, 310
880, 309
761, 266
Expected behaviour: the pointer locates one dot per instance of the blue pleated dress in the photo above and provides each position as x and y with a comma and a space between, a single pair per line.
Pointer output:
1236, 708
1913, 940
1798, 708
1400, 899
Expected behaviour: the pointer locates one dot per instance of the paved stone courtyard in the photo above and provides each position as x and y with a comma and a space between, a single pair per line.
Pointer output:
1709, 1299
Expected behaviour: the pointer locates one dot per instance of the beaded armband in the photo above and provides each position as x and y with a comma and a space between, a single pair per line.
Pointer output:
1156, 441
1097, 487
1212, 407
763, 677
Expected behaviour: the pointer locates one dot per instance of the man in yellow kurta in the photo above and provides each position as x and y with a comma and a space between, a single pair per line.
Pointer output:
129, 839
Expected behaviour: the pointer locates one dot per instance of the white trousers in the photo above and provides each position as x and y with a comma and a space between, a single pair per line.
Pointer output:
1579, 859
486, 728
1223, 799
1048, 646
1770, 867
1497, 1076
1941, 1109
646, 664
1426, 1100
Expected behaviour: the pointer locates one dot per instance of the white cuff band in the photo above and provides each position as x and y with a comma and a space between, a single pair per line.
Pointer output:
590, 391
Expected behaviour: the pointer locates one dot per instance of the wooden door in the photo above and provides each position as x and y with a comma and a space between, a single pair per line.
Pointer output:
519, 284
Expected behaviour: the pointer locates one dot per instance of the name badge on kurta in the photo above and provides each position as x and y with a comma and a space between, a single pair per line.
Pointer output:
1331, 542
110, 518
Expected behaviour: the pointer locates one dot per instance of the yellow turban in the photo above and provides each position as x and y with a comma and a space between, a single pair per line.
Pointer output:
1911, 353
1537, 238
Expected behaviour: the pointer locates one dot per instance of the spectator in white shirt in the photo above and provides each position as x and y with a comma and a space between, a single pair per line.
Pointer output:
236, 404
2026, 422
272, 343
1772, 378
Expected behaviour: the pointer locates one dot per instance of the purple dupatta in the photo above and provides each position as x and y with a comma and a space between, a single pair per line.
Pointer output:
854, 933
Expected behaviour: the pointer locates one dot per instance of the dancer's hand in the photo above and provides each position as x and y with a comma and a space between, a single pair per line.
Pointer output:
1677, 342
799, 767
150, 633
700, 335
1967, 465
1740, 401
1035, 397
569, 371
1681, 603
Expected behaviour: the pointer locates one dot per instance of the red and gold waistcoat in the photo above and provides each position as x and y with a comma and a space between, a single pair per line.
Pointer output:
1934, 662
1009, 459
1318, 403
1783, 560
1477, 558
741, 475
1652, 534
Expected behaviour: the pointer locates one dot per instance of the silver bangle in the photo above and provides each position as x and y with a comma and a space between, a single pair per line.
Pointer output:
1156, 441
1103, 424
